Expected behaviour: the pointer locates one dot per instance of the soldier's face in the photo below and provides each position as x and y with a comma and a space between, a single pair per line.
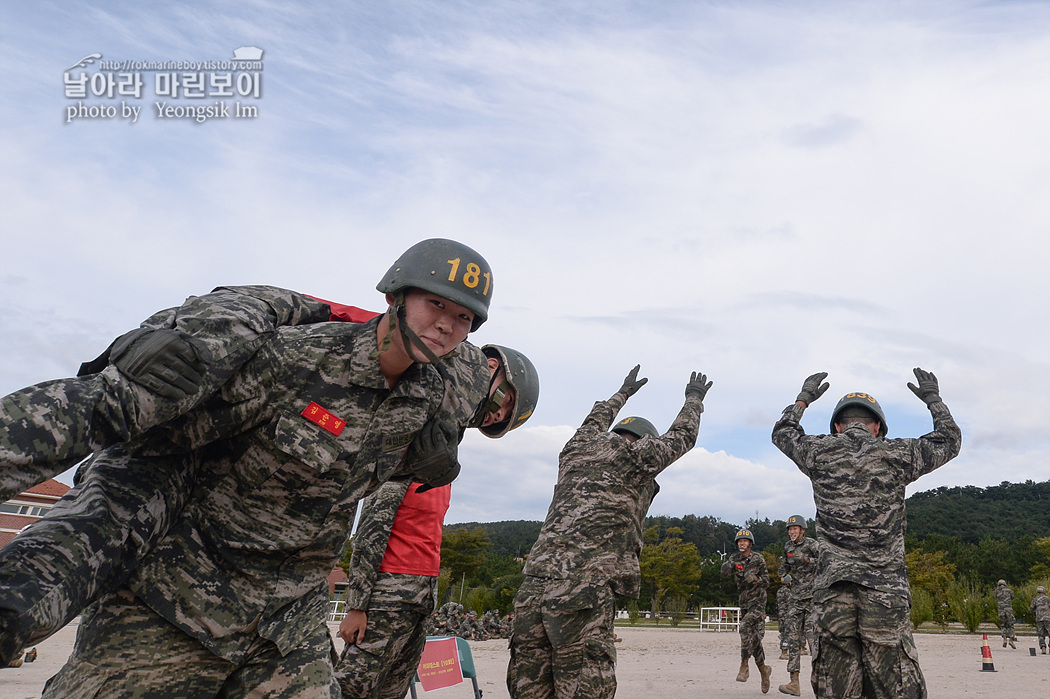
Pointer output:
795, 532
493, 417
440, 323
743, 545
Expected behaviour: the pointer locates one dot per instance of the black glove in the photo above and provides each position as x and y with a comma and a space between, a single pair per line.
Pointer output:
167, 362
698, 386
812, 388
632, 383
928, 391
433, 456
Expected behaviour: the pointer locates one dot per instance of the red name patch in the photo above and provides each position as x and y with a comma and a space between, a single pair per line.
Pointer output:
317, 414
740, 566
790, 555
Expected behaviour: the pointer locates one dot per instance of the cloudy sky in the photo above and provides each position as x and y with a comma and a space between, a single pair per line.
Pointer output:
758, 191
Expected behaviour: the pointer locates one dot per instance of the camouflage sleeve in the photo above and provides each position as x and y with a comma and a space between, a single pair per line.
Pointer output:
370, 540
48, 428
654, 455
791, 439
466, 379
599, 419
727, 568
762, 571
933, 450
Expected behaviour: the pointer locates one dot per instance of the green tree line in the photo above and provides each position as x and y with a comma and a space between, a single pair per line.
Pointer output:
960, 542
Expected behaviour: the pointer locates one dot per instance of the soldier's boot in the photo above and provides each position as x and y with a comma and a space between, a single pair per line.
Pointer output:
1043, 649
17, 662
804, 651
12, 637
766, 673
783, 654
742, 675
1004, 641
1012, 643
792, 687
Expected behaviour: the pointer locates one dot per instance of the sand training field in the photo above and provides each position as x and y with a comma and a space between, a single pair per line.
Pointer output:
679, 664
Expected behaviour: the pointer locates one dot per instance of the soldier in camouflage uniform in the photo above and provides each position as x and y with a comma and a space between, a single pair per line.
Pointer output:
748, 569
298, 363
863, 644
587, 552
1004, 598
120, 505
797, 572
1040, 608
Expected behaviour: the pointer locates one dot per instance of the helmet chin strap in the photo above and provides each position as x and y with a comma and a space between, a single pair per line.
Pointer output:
409, 339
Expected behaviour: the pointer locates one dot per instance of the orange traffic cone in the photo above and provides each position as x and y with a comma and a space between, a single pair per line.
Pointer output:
986, 656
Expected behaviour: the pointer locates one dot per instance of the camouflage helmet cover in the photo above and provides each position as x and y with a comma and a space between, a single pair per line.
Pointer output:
865, 401
446, 268
745, 534
796, 521
638, 426
522, 376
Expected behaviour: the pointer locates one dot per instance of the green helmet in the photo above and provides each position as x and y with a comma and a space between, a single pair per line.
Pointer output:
1041, 589
865, 401
1001, 582
522, 377
446, 268
745, 534
797, 521
638, 426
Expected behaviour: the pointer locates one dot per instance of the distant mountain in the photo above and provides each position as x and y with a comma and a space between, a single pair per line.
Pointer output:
1007, 511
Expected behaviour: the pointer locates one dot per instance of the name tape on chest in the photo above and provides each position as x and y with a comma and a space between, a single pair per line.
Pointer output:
316, 414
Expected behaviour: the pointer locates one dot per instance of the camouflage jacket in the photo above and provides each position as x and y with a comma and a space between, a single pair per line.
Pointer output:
47, 428
1040, 607
288, 445
751, 576
858, 485
378, 513
1004, 597
800, 561
592, 535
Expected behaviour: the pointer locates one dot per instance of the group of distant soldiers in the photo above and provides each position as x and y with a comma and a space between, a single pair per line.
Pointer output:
452, 620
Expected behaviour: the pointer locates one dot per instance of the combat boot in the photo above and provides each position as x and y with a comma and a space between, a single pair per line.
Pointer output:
742, 675
1004, 641
1043, 649
1012, 643
766, 673
783, 654
792, 687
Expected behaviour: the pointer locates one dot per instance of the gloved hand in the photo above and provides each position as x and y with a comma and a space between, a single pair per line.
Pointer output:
928, 391
632, 383
433, 456
787, 579
167, 362
750, 578
698, 386
812, 388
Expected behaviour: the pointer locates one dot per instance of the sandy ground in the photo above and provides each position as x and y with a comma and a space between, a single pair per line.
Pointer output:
676, 664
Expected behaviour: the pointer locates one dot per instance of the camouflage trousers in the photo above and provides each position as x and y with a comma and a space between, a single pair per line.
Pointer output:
383, 664
1006, 623
1042, 630
752, 629
561, 643
863, 645
798, 629
87, 544
125, 650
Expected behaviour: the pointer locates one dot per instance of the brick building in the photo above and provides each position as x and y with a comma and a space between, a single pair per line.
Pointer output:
22, 510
